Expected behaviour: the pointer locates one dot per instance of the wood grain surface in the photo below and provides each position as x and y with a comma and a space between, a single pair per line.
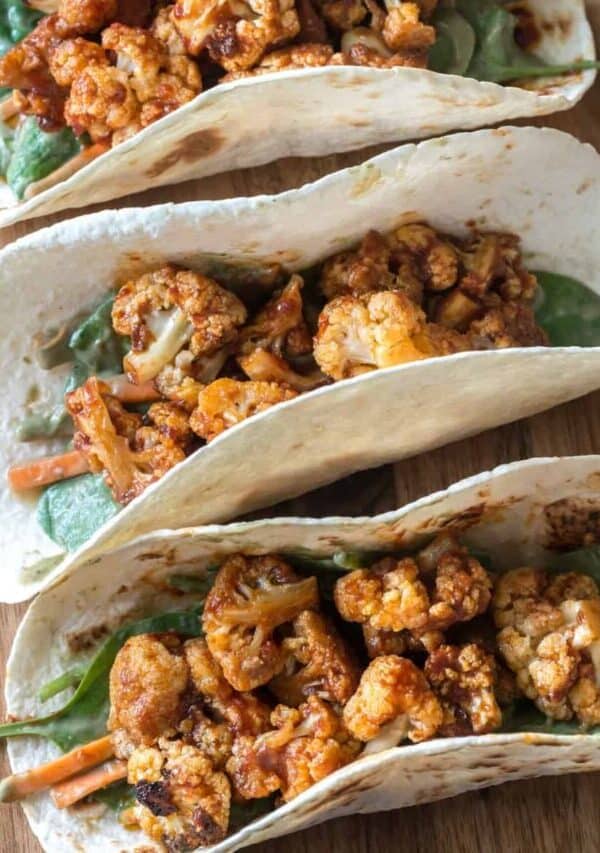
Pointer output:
540, 816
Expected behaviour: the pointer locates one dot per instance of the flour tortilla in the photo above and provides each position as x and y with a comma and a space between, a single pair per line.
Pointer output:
318, 111
540, 184
504, 509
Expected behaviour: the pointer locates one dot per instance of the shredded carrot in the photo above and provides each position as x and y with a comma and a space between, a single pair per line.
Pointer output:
21, 784
76, 788
49, 469
127, 392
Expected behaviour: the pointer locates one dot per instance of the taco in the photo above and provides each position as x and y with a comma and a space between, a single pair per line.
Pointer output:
305, 669
105, 98
183, 365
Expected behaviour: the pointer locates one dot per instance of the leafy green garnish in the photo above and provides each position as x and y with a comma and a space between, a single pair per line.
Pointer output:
454, 44
193, 583
46, 424
16, 21
493, 53
84, 716
72, 510
523, 716
568, 311
243, 813
96, 347
7, 136
117, 796
37, 153
583, 560
70, 678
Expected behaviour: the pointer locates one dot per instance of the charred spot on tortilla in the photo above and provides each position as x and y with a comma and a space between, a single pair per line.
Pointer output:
572, 523
200, 143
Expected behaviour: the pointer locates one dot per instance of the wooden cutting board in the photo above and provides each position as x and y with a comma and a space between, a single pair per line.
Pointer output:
539, 816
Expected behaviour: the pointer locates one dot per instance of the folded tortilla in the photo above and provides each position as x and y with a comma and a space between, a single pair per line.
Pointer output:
510, 513
539, 184
249, 122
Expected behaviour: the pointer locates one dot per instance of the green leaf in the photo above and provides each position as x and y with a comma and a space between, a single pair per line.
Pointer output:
243, 813
6, 145
84, 716
16, 21
497, 57
72, 510
51, 423
568, 311
117, 796
193, 583
584, 561
523, 716
454, 44
70, 678
97, 349
37, 153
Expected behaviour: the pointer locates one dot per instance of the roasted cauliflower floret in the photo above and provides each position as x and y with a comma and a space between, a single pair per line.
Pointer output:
147, 685
72, 56
87, 16
365, 46
492, 264
405, 595
343, 14
318, 661
435, 258
404, 33
357, 334
101, 102
551, 642
375, 265
276, 334
379, 641
175, 314
464, 679
227, 402
243, 713
306, 746
296, 56
182, 802
250, 598
393, 702
510, 325
115, 442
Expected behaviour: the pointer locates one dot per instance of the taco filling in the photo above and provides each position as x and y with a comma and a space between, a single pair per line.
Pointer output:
92, 73
275, 678
175, 358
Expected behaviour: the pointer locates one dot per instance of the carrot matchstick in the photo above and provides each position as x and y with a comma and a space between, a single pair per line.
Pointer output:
66, 793
19, 785
48, 469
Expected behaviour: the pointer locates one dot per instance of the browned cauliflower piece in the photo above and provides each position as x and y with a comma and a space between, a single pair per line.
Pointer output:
87, 16
115, 442
343, 14
297, 56
551, 641
243, 713
393, 702
147, 82
72, 56
365, 46
318, 662
226, 402
236, 33
414, 595
250, 598
182, 801
492, 264
276, 334
403, 31
434, 257
307, 745
101, 102
464, 679
147, 686
379, 641
357, 334
177, 320
510, 325
366, 269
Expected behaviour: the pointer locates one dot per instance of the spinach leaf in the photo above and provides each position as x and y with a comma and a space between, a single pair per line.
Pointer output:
6, 145
96, 347
245, 812
523, 716
37, 153
454, 44
117, 796
70, 678
16, 21
568, 311
72, 510
193, 583
493, 54
584, 561
84, 716
51, 423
